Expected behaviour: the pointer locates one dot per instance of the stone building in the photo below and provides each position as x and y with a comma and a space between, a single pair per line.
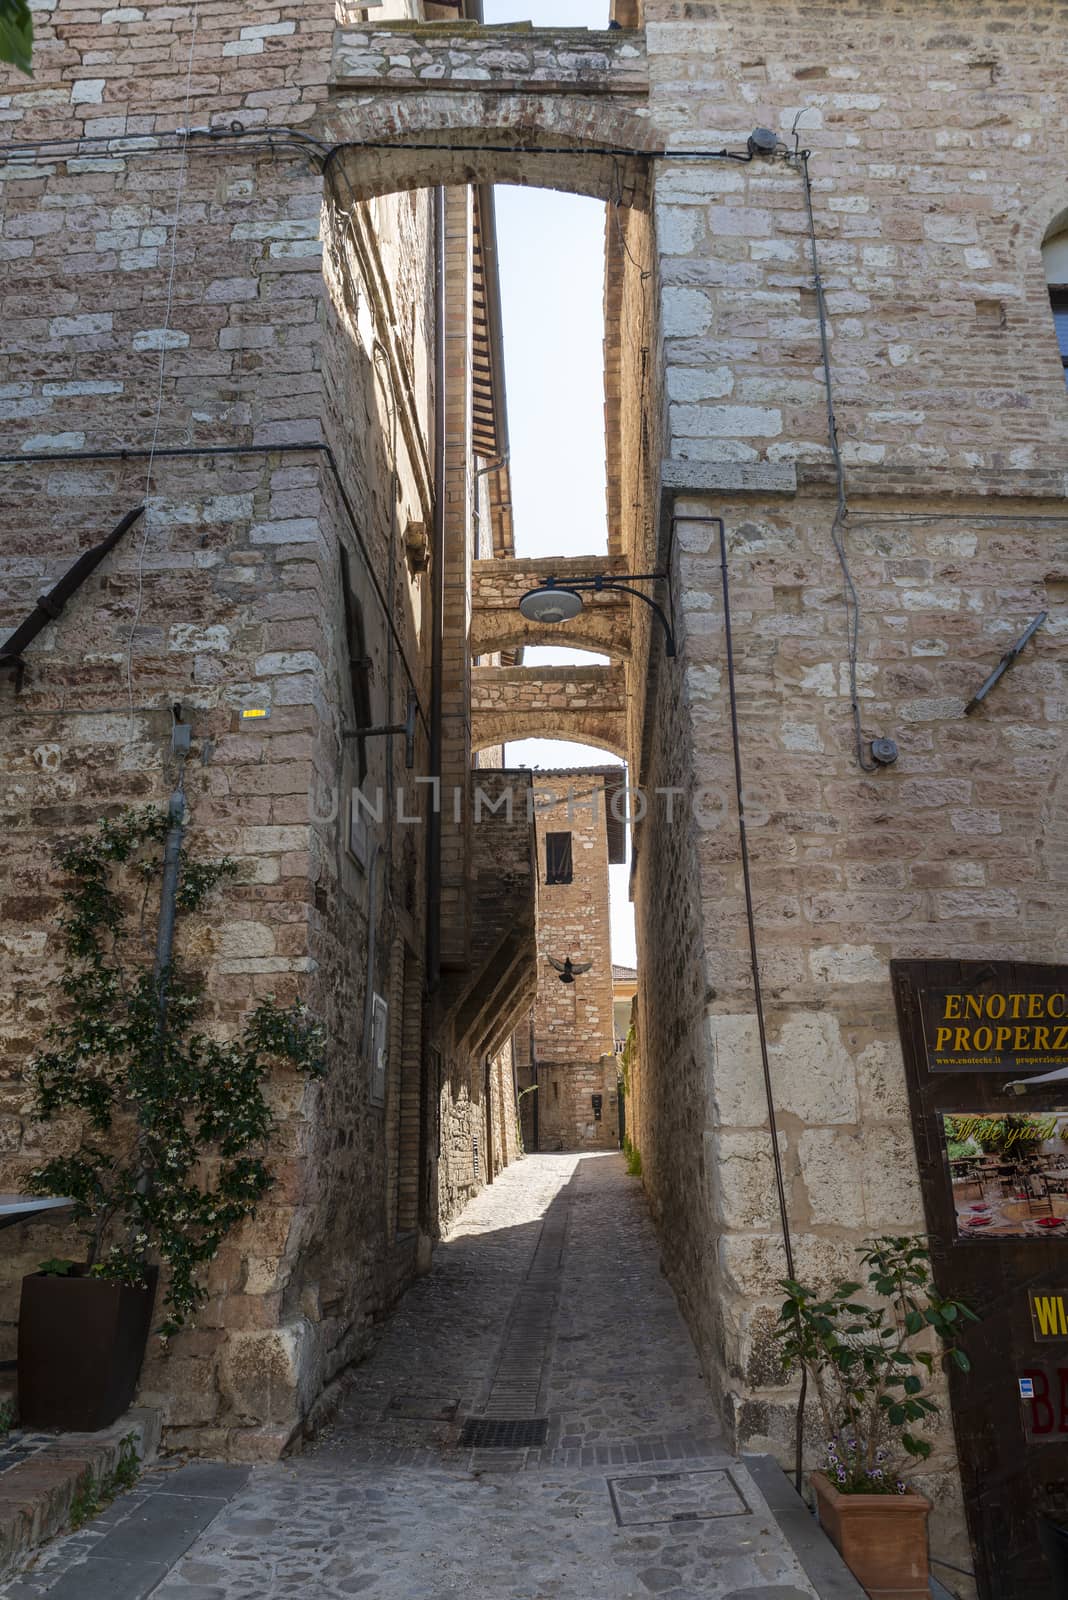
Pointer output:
624, 990
579, 822
213, 327
834, 341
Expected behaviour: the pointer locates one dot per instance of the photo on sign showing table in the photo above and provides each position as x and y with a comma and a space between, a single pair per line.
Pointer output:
1009, 1173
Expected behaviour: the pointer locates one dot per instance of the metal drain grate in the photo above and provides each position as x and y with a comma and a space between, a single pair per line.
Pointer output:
485, 1433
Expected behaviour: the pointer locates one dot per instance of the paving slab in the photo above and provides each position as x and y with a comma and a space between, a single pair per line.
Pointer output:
546, 1305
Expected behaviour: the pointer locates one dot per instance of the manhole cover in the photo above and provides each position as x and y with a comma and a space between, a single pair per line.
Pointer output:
484, 1433
423, 1407
675, 1497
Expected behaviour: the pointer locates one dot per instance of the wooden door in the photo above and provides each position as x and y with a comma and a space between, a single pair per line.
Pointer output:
1013, 1450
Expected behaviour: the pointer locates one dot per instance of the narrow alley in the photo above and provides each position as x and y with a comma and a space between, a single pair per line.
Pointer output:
546, 1303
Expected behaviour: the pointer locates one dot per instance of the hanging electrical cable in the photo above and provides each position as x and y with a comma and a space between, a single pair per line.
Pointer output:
754, 948
164, 333
852, 598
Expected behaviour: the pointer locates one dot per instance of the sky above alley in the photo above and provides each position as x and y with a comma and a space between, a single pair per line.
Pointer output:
551, 250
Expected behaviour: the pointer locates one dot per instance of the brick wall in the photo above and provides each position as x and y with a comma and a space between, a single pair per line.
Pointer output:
294, 323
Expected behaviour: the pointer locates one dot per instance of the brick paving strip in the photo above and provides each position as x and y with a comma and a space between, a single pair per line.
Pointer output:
546, 1304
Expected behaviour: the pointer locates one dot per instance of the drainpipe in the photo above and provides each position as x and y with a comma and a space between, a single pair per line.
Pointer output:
168, 898
437, 585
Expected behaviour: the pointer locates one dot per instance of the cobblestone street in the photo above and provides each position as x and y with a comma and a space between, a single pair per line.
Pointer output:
547, 1302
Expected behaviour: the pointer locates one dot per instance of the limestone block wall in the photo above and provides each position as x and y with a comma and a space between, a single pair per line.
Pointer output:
548, 61
932, 131
583, 704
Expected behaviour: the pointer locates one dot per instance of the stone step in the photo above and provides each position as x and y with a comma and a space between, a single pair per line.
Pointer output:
37, 1493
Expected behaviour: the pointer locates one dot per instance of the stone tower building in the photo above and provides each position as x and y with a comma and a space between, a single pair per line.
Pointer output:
831, 343
579, 823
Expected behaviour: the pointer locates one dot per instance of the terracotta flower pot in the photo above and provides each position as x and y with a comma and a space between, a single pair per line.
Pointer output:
882, 1538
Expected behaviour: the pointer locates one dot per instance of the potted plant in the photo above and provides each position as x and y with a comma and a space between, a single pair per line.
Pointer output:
867, 1351
170, 1124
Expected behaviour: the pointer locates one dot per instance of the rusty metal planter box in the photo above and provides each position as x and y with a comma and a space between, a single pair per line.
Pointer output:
81, 1344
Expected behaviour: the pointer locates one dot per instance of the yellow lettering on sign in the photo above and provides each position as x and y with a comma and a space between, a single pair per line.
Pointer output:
952, 1007
1049, 1315
1036, 1005
973, 1006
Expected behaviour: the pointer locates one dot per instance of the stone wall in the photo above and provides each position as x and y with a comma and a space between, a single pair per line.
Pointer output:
603, 624
573, 1022
547, 61
583, 704
211, 303
932, 131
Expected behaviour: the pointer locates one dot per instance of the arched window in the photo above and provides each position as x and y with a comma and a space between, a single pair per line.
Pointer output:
1055, 261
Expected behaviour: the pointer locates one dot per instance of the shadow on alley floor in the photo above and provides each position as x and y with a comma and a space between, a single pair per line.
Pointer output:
546, 1303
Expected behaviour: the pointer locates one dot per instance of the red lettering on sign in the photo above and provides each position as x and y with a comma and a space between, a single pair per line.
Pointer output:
1042, 1418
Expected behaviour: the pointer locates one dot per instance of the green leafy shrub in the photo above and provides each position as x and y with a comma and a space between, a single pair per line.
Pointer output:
16, 34
633, 1158
867, 1361
94, 1493
174, 1122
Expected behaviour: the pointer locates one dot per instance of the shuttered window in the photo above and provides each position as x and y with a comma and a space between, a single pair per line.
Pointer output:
1058, 299
558, 858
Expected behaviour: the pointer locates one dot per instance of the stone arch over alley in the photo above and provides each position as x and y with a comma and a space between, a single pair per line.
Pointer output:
409, 113
584, 705
560, 110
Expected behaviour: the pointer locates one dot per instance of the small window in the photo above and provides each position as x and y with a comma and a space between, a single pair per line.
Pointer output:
558, 867
379, 1049
1055, 262
358, 665
1058, 299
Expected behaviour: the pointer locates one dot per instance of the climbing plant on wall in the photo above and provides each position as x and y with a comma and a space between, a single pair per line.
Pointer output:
173, 1125
16, 33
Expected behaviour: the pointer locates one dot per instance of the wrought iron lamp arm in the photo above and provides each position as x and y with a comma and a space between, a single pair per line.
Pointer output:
601, 583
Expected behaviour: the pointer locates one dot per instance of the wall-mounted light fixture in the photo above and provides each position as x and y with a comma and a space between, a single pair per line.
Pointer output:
556, 601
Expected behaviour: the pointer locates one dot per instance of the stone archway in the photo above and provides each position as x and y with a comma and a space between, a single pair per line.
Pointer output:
518, 106
602, 626
585, 705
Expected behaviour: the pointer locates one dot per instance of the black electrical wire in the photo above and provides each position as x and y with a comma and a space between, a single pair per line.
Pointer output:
754, 949
273, 136
268, 138
754, 959
958, 516
950, 1567
142, 453
842, 508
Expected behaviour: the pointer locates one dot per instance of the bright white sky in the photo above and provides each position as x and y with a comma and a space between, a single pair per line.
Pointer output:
551, 251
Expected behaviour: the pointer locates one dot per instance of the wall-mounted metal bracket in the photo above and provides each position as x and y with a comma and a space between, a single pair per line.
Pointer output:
407, 728
1005, 663
50, 605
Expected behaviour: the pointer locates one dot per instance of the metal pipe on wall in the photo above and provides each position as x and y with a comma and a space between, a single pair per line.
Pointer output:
437, 589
